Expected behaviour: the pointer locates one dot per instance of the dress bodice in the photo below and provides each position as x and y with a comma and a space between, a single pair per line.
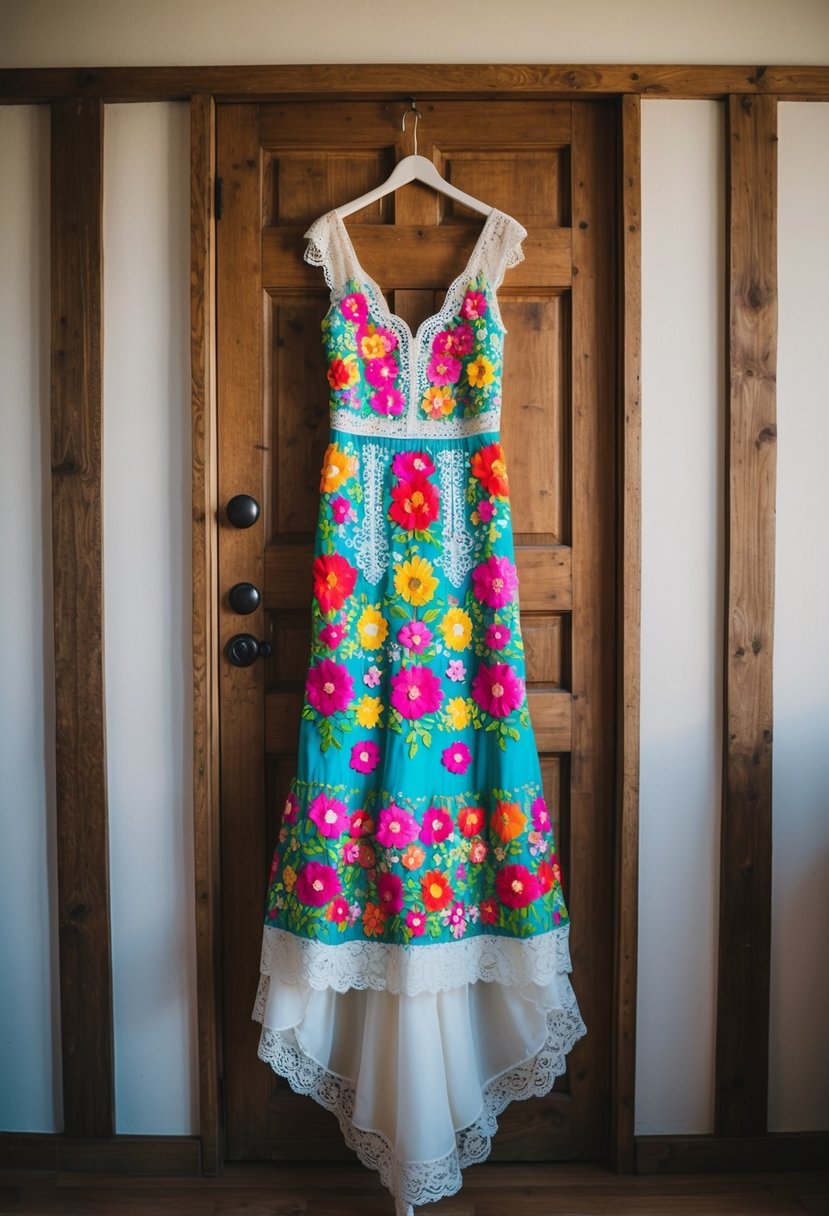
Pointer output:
444, 380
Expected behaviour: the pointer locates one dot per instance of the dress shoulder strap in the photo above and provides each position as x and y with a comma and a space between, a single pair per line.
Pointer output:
502, 247
326, 248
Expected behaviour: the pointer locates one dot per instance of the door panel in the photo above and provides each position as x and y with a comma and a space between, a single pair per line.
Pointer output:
551, 166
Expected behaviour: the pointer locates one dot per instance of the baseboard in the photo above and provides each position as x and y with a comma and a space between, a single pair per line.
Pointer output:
165, 1155
731, 1154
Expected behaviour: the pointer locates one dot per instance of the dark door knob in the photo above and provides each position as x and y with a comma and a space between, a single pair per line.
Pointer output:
242, 511
244, 598
243, 649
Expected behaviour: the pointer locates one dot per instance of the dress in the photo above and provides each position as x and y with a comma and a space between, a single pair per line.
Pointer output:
415, 957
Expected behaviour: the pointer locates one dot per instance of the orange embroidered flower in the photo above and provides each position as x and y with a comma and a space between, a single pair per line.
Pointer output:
414, 857
509, 820
437, 892
438, 402
337, 468
374, 920
489, 468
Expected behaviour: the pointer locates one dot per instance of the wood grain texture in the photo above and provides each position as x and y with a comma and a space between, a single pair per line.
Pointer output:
76, 459
716, 1154
205, 624
751, 453
172, 1156
628, 658
400, 81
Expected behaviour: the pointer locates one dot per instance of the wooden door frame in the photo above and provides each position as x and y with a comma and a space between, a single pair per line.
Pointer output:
751, 94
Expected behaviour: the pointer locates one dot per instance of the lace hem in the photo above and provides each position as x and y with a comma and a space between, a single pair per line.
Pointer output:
415, 1183
410, 969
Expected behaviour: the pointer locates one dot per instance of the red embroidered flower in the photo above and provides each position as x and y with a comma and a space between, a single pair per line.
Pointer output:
516, 887
329, 687
334, 579
416, 691
338, 910
317, 884
497, 689
342, 373
415, 504
545, 876
437, 893
390, 890
491, 471
437, 825
495, 582
470, 820
407, 465
489, 912
477, 851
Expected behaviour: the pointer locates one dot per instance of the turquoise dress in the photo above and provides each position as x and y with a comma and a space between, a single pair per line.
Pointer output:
415, 949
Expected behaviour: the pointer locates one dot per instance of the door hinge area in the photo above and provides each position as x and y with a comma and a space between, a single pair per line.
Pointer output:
218, 198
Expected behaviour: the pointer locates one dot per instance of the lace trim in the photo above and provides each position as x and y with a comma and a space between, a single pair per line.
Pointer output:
458, 555
370, 542
415, 1183
348, 423
410, 969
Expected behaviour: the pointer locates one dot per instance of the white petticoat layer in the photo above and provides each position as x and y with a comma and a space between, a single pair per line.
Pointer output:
417, 1080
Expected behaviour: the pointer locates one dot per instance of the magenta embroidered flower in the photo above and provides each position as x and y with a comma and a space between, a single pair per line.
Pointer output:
338, 910
329, 814
495, 582
414, 635
329, 687
340, 509
498, 636
316, 884
474, 306
486, 510
354, 307
457, 757
388, 401
291, 809
372, 677
364, 757
541, 816
416, 922
437, 825
331, 635
415, 691
497, 689
407, 465
396, 828
455, 918
443, 370
443, 343
516, 887
462, 340
456, 670
362, 824
390, 890
382, 373
351, 852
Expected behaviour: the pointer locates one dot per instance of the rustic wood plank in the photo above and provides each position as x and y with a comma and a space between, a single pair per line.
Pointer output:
367, 80
393, 254
712, 1154
629, 584
751, 432
205, 624
144, 1156
83, 856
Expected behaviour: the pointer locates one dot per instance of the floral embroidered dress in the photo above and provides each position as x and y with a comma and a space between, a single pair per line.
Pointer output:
415, 952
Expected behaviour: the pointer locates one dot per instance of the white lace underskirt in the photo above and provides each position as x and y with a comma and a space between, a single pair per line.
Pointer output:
417, 1080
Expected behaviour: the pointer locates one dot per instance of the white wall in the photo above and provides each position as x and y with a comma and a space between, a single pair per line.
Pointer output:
146, 488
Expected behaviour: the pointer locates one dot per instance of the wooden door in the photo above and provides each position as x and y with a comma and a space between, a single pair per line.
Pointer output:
552, 166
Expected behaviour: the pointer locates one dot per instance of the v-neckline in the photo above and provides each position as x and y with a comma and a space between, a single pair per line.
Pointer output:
394, 318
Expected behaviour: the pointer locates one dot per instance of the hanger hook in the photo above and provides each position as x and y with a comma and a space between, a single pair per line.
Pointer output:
412, 110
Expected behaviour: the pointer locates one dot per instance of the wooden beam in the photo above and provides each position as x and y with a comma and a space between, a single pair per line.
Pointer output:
726, 1154
368, 80
83, 863
145, 1156
205, 624
751, 433
629, 584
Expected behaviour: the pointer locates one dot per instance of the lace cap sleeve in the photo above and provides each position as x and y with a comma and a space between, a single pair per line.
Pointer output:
327, 249
506, 250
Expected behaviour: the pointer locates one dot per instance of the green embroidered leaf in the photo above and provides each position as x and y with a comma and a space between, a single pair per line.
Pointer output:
431, 615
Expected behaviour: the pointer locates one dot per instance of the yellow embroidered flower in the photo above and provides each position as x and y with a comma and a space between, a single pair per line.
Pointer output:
289, 877
415, 582
369, 710
372, 628
456, 628
337, 468
373, 345
438, 402
458, 712
480, 372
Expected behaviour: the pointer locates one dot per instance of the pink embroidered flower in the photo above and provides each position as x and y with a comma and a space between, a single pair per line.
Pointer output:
372, 677
495, 582
437, 825
456, 670
329, 814
291, 809
396, 828
486, 510
456, 758
331, 635
338, 910
477, 851
462, 340
497, 689
516, 887
364, 757
316, 884
415, 504
474, 306
498, 636
329, 688
340, 509
456, 919
388, 401
541, 816
443, 370
443, 343
407, 465
416, 691
351, 852
390, 890
489, 912
470, 820
415, 636
354, 307
416, 922
382, 373
361, 824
